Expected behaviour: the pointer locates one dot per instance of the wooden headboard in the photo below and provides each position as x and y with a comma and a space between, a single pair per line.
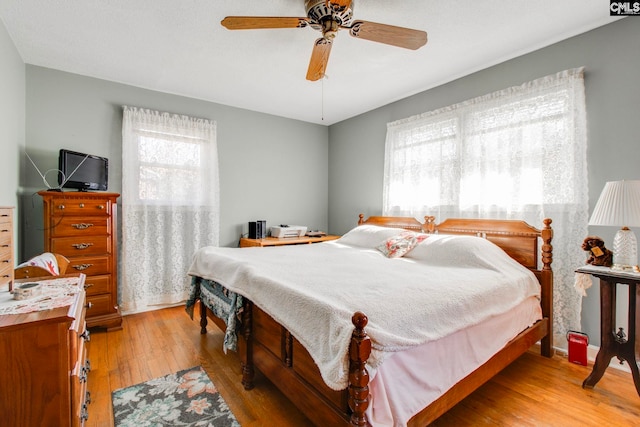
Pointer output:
517, 238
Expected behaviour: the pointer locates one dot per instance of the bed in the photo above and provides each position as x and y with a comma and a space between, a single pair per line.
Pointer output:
356, 375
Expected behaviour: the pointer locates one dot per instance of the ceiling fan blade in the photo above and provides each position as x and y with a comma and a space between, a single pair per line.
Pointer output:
388, 34
339, 4
319, 59
256, 23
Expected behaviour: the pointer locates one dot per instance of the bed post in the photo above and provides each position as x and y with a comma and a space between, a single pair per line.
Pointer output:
248, 371
203, 317
359, 351
360, 219
547, 286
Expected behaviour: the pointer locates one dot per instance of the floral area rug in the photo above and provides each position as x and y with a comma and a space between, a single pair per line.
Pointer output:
185, 398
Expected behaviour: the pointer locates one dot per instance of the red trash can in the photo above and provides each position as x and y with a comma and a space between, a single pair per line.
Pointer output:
578, 342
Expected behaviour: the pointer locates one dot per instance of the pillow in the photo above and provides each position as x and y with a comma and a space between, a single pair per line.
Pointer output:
459, 251
368, 236
397, 246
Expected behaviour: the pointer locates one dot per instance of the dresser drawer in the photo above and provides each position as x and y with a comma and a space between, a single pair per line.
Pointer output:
100, 305
69, 226
6, 271
79, 207
91, 266
5, 217
81, 245
5, 235
96, 285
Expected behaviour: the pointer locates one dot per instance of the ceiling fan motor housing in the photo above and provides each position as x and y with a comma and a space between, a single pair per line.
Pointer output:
320, 11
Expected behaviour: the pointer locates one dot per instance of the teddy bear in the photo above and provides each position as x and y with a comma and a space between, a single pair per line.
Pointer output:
598, 254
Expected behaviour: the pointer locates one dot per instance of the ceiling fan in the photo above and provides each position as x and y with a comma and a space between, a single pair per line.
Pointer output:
329, 16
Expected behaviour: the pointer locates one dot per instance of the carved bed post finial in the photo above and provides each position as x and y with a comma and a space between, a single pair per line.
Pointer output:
359, 351
360, 219
547, 248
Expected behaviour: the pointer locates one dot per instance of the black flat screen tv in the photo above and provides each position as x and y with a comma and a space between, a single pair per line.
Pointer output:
84, 172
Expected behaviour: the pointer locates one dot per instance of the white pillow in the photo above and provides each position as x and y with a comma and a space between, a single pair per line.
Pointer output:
459, 251
368, 236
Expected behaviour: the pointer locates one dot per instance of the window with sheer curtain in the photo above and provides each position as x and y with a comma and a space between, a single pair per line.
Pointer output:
170, 204
519, 153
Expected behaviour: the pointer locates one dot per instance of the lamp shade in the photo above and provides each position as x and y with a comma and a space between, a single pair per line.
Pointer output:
618, 205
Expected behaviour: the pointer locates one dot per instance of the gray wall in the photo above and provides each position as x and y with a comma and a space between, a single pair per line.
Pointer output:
611, 56
271, 168
12, 121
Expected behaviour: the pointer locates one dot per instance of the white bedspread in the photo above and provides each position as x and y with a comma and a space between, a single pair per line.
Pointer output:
313, 290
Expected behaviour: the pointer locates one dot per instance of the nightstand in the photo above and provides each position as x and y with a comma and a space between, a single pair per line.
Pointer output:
275, 241
612, 342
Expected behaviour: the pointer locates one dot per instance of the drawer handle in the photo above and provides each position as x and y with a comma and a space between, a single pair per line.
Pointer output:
6, 261
81, 266
6, 276
81, 226
87, 286
4, 230
87, 397
5, 246
84, 414
4, 215
86, 335
82, 245
100, 206
89, 305
61, 206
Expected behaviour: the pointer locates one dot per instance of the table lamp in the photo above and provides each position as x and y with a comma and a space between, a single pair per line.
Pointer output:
619, 205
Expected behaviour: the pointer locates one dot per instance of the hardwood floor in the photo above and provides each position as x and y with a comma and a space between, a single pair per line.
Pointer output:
533, 391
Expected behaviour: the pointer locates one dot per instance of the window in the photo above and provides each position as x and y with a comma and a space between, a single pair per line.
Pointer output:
518, 153
170, 207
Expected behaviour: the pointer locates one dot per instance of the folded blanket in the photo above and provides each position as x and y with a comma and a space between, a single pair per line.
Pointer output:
313, 290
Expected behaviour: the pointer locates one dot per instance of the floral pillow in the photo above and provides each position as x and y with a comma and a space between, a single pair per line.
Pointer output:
401, 244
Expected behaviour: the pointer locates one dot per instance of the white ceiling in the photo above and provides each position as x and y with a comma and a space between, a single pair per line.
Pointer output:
179, 47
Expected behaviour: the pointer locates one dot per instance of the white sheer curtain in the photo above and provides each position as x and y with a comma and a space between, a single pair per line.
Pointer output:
170, 204
519, 153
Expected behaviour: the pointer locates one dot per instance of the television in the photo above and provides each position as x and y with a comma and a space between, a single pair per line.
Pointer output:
84, 172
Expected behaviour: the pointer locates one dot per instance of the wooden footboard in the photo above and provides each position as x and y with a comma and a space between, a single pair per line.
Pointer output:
267, 346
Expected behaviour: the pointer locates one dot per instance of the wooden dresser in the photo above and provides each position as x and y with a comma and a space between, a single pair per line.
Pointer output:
45, 366
82, 227
7, 263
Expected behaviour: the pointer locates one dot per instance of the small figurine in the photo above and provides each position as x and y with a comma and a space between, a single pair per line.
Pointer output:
598, 254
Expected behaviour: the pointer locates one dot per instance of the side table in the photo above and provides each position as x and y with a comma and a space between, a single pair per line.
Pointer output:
612, 342
279, 241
